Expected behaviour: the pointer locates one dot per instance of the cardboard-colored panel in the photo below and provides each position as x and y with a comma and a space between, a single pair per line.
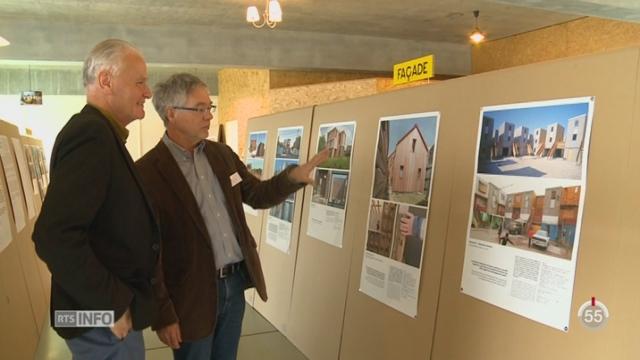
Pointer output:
279, 267
29, 261
627, 312
43, 271
373, 330
471, 329
19, 330
320, 284
256, 222
36, 265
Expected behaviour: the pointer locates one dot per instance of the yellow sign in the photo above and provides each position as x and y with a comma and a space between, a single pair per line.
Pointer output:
413, 70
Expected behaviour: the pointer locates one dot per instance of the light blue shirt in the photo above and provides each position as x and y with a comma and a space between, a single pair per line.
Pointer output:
210, 199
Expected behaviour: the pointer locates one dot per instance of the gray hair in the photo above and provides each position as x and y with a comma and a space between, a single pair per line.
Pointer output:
174, 92
106, 55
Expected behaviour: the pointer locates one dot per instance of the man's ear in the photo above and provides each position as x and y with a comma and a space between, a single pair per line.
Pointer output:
171, 113
104, 79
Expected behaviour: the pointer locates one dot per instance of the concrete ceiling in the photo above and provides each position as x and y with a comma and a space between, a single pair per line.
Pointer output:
367, 35
433, 20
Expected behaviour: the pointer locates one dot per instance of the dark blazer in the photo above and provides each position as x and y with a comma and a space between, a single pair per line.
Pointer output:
187, 291
96, 232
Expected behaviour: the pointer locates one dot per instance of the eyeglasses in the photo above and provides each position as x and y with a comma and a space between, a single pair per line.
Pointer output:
202, 110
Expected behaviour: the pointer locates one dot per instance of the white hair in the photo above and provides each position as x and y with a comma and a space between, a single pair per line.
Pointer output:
174, 92
106, 55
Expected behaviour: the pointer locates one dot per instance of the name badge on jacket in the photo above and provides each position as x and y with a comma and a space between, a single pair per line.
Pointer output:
235, 179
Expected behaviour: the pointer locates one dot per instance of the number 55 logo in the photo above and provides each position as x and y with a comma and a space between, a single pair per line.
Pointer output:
593, 314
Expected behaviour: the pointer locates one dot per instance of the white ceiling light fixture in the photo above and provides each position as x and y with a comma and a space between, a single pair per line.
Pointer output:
271, 17
477, 36
4, 42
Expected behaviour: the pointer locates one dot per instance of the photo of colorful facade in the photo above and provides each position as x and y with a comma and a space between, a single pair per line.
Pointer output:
534, 141
382, 218
533, 215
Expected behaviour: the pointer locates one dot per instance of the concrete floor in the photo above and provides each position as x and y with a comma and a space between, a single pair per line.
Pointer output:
259, 340
532, 166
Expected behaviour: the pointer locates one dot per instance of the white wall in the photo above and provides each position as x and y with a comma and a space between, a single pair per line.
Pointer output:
47, 119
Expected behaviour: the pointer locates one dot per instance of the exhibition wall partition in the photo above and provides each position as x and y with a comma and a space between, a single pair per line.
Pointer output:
286, 136
24, 279
479, 217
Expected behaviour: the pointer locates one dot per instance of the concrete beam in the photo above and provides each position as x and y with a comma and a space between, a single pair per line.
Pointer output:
279, 49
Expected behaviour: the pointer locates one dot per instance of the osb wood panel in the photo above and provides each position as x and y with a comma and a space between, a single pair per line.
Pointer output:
287, 78
387, 84
300, 96
578, 37
243, 94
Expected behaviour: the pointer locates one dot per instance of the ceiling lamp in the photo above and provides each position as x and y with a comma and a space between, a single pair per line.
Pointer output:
271, 16
477, 36
3, 42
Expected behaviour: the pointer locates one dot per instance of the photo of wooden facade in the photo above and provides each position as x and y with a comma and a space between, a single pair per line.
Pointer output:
408, 163
407, 248
404, 158
382, 217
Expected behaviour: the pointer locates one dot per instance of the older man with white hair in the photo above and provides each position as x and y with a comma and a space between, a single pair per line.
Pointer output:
97, 231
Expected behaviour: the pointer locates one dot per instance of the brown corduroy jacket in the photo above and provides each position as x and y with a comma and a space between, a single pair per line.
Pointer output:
187, 284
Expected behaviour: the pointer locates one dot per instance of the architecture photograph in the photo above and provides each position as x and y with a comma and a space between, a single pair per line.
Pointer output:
530, 206
533, 141
257, 143
339, 140
288, 143
382, 216
409, 160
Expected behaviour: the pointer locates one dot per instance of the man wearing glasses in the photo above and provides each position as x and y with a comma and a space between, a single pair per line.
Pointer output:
208, 254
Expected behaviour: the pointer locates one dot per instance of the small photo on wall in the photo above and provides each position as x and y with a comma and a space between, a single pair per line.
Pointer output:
256, 167
330, 188
282, 164
289, 143
31, 98
382, 218
321, 187
410, 233
338, 138
284, 210
257, 143
534, 215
